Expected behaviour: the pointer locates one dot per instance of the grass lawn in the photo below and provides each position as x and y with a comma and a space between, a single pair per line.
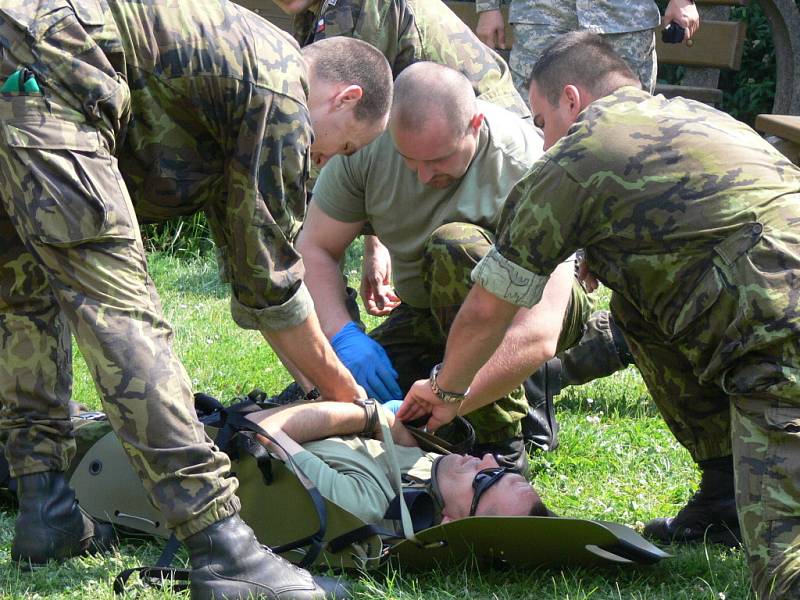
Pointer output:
617, 462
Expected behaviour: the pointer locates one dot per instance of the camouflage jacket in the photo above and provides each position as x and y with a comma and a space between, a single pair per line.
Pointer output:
216, 120
409, 31
600, 16
664, 195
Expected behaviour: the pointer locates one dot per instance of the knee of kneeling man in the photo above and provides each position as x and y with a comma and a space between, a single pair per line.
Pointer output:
463, 238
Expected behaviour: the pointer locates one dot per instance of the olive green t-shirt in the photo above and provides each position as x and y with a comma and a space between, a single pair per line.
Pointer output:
354, 473
374, 185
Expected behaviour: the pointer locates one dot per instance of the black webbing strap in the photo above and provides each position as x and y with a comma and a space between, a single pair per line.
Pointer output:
158, 574
315, 541
233, 420
420, 506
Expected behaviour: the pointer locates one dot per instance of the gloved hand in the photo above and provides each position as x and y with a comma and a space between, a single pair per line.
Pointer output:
368, 362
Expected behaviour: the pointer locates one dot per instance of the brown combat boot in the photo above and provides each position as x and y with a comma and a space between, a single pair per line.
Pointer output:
709, 515
50, 525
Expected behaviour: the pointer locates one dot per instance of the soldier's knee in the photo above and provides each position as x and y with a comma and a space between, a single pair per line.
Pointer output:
459, 243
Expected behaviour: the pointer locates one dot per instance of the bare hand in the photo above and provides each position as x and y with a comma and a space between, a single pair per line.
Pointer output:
491, 29
420, 401
684, 13
587, 278
376, 279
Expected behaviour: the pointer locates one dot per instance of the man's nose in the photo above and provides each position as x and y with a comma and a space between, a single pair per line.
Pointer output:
425, 173
321, 159
488, 461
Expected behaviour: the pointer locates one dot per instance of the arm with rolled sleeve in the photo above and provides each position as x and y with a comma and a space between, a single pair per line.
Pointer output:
539, 228
336, 216
264, 209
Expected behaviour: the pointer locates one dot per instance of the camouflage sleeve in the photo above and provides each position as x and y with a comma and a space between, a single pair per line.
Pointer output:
501, 277
484, 5
541, 225
257, 222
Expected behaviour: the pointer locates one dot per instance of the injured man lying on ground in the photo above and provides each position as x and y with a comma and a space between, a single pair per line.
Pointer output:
339, 447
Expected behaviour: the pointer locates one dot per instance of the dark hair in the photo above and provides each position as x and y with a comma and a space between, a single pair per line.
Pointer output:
354, 62
580, 58
539, 509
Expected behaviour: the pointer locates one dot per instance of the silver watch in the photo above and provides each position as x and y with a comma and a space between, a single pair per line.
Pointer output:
445, 396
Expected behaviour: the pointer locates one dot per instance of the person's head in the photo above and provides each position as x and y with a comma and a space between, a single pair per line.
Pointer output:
435, 122
350, 93
293, 7
573, 71
469, 486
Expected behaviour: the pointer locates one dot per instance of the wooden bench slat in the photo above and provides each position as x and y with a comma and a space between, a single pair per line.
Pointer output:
701, 94
717, 44
785, 126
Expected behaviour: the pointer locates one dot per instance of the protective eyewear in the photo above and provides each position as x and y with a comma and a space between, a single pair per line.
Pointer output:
484, 479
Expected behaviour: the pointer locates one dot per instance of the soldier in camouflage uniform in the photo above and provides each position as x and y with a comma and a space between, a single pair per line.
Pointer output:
436, 216
169, 108
409, 31
627, 26
691, 218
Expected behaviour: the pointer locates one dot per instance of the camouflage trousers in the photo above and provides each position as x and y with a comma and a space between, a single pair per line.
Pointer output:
730, 382
72, 263
415, 338
637, 48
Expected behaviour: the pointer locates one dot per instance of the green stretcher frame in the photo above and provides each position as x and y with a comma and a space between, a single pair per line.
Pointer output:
281, 511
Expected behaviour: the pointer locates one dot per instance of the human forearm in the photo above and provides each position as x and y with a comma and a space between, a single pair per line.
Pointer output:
476, 333
307, 422
315, 359
326, 285
531, 340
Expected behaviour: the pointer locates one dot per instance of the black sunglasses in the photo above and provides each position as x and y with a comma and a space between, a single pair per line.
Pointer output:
484, 479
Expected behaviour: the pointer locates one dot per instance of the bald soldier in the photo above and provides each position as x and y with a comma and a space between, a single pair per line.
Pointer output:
406, 32
691, 219
111, 105
432, 188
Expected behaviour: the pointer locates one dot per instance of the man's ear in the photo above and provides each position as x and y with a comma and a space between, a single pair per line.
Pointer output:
575, 98
347, 97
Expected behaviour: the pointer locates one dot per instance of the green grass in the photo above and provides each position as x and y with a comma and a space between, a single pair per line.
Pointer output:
616, 462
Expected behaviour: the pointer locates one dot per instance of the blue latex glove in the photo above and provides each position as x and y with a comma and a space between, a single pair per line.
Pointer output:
368, 362
393, 406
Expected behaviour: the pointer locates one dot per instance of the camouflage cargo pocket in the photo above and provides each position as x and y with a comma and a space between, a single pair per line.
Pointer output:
62, 181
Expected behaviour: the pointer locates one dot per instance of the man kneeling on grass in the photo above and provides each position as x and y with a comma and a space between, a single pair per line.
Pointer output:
338, 446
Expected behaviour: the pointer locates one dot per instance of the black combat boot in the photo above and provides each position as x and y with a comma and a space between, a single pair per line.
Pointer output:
709, 515
539, 426
50, 525
229, 562
601, 351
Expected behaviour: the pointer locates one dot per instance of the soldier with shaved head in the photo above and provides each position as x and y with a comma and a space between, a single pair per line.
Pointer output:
432, 188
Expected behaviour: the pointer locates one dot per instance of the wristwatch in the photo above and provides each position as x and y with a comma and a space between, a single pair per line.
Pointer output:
445, 396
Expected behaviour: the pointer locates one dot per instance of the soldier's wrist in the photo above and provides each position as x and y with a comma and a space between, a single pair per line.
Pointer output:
444, 395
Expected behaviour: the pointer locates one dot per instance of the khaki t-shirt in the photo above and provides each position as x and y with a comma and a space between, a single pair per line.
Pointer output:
355, 473
375, 185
